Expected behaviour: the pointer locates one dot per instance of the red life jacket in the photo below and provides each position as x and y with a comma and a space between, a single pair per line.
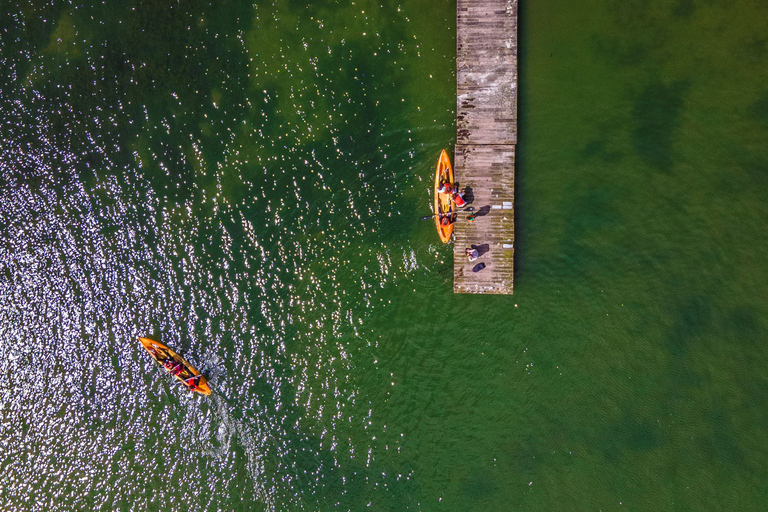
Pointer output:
459, 200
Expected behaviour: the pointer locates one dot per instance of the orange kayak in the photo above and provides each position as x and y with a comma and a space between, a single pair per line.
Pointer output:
444, 207
163, 354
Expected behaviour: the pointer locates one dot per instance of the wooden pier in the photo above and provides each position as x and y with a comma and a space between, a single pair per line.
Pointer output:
484, 160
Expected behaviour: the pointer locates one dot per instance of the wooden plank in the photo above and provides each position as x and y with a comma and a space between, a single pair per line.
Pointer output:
486, 171
486, 65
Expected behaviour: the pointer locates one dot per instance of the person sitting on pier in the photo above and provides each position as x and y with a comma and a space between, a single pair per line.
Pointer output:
458, 197
471, 254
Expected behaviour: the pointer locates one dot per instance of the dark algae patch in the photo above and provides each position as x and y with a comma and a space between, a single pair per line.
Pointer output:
657, 114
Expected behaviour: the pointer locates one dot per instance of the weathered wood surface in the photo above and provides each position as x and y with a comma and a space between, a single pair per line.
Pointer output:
486, 171
484, 159
486, 65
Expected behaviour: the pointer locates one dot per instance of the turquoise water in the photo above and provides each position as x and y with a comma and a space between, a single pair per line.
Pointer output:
245, 182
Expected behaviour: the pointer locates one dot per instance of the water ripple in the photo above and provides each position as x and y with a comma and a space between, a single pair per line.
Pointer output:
240, 217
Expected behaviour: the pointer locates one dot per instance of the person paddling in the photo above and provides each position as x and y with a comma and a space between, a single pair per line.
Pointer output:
174, 367
190, 382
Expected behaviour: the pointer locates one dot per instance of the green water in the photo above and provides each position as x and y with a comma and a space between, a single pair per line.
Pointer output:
245, 182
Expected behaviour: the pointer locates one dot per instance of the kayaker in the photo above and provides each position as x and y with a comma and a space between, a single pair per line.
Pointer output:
444, 220
471, 254
191, 383
445, 188
174, 367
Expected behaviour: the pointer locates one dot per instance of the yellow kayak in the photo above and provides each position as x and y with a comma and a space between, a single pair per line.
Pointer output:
445, 210
177, 366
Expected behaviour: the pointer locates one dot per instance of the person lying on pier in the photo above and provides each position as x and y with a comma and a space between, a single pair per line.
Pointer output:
471, 254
